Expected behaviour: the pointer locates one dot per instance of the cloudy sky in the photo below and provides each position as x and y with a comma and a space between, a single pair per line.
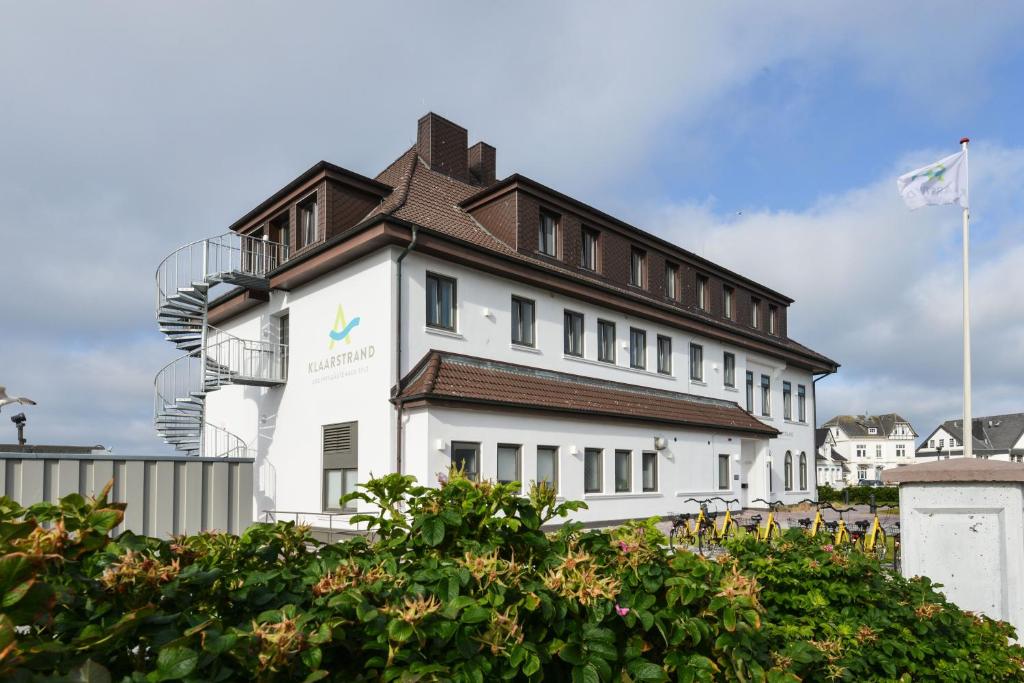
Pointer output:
765, 139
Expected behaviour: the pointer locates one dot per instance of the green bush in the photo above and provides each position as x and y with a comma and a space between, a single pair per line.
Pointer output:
860, 495
460, 583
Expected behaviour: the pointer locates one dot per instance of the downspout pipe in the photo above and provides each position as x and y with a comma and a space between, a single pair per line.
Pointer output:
814, 417
398, 349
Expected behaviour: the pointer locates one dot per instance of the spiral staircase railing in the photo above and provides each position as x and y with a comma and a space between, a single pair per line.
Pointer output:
213, 358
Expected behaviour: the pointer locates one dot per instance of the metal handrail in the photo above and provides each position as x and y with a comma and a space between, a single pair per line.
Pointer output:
246, 358
209, 259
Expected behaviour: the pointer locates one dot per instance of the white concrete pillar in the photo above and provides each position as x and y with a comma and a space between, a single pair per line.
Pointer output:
962, 525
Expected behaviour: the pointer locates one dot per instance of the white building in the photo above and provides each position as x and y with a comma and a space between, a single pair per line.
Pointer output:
833, 469
872, 443
996, 437
434, 316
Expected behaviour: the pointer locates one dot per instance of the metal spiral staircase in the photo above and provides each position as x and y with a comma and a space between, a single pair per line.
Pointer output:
213, 358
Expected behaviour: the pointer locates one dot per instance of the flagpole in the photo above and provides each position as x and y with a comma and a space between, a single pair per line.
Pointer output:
968, 424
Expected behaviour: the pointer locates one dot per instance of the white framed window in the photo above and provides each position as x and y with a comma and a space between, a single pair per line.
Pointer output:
592, 470
573, 333
878, 450
649, 471
702, 293
637, 348
862, 473
801, 403
750, 391
755, 313
547, 234
787, 468
664, 355
862, 451
766, 395
803, 471
901, 450
773, 319
787, 401
696, 362
441, 293
728, 294
729, 369
524, 321
508, 465
723, 472
340, 454
605, 341
623, 471
547, 465
466, 458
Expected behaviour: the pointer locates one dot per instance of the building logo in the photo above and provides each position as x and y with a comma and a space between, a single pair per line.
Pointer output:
342, 329
341, 362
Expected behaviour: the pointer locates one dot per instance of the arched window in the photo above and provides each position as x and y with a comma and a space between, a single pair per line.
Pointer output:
789, 471
803, 471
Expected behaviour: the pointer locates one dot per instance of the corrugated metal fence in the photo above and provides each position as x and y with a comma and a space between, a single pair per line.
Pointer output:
166, 495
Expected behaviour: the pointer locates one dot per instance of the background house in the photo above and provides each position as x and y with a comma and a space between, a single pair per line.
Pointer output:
996, 437
832, 467
872, 443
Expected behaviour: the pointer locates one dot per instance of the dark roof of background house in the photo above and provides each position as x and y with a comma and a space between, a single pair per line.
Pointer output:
858, 425
459, 378
820, 434
990, 433
432, 200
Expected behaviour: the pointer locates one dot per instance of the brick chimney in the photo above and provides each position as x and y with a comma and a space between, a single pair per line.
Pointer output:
442, 146
482, 159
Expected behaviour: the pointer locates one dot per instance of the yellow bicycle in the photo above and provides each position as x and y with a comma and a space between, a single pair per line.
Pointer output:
771, 528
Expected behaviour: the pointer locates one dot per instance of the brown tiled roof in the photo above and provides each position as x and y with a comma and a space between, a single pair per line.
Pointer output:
432, 200
454, 377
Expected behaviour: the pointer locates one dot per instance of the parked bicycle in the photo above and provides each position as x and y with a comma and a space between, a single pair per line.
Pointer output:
771, 528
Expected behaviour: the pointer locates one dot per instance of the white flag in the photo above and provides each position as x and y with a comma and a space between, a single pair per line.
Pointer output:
944, 182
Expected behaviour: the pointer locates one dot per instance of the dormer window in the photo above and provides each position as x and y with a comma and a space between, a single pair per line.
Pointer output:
588, 249
702, 293
773, 319
671, 281
547, 234
727, 297
307, 219
637, 267
872, 430
755, 313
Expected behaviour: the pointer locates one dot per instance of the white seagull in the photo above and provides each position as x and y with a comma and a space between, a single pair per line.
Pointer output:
6, 400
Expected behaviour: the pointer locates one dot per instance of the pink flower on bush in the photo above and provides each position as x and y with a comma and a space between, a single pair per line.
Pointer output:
621, 611
828, 548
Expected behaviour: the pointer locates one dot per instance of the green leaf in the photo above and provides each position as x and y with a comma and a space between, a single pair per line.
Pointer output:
729, 619
175, 662
585, 674
642, 670
400, 630
475, 615
89, 672
102, 521
15, 594
433, 531
312, 657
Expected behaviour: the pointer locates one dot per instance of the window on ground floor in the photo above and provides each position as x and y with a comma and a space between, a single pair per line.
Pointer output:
803, 471
547, 466
650, 471
508, 463
623, 471
788, 471
592, 470
340, 463
723, 471
466, 459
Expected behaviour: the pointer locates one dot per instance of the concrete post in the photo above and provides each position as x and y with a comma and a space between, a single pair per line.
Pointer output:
962, 525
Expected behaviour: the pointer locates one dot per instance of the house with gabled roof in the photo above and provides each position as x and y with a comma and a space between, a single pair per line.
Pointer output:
996, 437
872, 443
832, 467
434, 316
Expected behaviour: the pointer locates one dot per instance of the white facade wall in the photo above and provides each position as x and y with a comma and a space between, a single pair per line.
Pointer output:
687, 467
284, 424
484, 326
